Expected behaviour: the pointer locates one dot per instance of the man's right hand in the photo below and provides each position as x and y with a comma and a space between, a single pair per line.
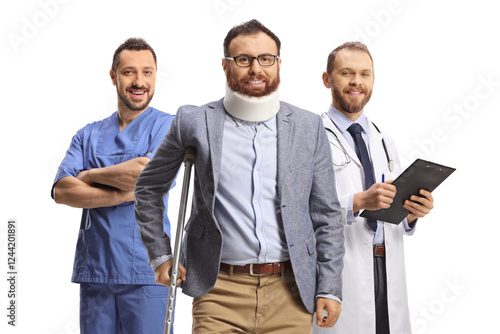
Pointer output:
161, 273
378, 196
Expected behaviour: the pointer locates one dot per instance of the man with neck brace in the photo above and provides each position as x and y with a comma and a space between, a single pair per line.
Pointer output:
264, 244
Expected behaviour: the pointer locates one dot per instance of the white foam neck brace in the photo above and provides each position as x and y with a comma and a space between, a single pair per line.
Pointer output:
250, 108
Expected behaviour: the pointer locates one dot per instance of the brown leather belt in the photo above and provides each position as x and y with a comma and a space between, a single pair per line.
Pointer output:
378, 250
256, 269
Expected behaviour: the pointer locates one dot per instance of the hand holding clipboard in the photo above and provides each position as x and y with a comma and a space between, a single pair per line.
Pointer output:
420, 175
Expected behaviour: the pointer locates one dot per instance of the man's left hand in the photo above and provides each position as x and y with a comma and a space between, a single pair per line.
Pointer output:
332, 307
419, 206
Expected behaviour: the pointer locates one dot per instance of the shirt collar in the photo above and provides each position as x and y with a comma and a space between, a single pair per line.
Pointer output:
342, 122
270, 123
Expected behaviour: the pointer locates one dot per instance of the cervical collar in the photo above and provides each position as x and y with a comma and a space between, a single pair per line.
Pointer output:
250, 108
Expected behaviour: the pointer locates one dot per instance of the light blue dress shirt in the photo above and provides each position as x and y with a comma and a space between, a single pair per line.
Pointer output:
246, 202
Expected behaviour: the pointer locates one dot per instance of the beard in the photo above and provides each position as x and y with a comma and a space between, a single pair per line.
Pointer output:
240, 86
135, 106
345, 104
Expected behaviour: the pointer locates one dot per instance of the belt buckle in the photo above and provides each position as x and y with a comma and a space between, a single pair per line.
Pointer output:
375, 251
252, 273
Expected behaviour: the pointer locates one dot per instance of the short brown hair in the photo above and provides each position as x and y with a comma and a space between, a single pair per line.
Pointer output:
347, 45
249, 28
136, 44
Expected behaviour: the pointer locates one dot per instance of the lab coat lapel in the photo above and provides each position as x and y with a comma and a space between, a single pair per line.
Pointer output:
377, 153
350, 152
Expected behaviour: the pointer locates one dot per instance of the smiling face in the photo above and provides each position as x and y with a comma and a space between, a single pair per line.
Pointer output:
255, 80
351, 81
135, 80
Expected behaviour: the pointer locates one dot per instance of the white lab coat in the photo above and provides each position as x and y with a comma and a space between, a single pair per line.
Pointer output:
358, 305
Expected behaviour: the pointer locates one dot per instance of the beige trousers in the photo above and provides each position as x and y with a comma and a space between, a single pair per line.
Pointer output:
241, 303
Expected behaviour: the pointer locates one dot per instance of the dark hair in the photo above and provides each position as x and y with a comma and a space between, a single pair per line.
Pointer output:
249, 28
347, 45
136, 44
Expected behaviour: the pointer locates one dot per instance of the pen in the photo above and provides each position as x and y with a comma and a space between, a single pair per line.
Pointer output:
383, 177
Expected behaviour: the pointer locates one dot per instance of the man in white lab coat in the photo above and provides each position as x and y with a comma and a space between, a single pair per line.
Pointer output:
374, 291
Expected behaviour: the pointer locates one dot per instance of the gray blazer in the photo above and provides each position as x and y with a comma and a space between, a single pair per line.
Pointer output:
306, 188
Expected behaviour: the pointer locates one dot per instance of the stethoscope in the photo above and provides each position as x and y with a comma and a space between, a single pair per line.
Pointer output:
390, 162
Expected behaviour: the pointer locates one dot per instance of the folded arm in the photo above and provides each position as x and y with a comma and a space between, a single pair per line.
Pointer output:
85, 191
73, 192
122, 176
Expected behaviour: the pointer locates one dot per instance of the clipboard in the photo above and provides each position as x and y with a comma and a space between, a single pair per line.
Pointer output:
420, 175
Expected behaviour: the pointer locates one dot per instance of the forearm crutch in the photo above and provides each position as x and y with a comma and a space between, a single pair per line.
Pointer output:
189, 157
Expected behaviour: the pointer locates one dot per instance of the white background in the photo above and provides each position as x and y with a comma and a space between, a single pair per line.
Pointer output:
433, 60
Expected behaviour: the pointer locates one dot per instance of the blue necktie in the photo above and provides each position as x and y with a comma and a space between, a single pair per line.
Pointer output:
355, 131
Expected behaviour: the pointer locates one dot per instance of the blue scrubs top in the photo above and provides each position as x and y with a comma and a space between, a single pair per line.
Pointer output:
109, 248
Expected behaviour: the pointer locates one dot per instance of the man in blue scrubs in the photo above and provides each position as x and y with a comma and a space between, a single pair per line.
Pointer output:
118, 293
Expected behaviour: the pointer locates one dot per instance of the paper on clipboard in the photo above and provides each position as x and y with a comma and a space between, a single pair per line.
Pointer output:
420, 175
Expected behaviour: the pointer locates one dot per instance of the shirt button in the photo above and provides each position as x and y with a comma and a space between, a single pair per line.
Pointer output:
258, 231
255, 201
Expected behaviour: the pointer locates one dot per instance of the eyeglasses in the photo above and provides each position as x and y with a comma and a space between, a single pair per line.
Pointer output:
246, 61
